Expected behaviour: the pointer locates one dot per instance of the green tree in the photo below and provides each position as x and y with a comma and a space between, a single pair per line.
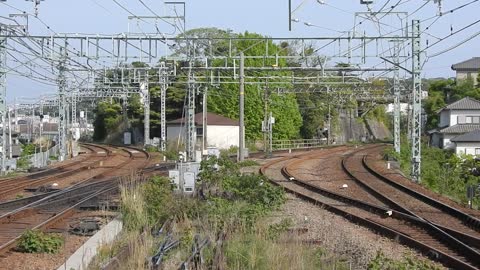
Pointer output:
107, 117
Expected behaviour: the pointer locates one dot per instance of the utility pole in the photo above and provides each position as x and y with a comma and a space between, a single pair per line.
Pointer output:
190, 125
265, 120
329, 131
62, 105
417, 101
205, 120
41, 134
3, 94
9, 134
241, 144
396, 100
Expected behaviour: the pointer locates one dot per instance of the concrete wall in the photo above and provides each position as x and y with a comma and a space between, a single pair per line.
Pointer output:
468, 148
455, 113
379, 130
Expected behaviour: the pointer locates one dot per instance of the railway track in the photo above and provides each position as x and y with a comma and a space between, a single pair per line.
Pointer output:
409, 201
47, 210
407, 229
11, 186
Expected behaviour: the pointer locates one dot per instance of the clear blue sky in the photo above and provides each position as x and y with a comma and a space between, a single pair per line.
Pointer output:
268, 17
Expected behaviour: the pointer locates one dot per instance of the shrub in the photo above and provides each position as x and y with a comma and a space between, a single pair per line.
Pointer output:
33, 241
158, 197
409, 263
247, 163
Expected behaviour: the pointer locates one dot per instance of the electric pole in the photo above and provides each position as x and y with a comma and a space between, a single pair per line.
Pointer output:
241, 142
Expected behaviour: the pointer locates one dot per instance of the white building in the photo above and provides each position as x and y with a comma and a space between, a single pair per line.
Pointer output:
221, 132
467, 69
468, 143
458, 118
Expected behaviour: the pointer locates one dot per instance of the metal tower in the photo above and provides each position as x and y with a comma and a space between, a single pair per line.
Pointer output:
417, 101
396, 100
62, 84
163, 107
3, 93
190, 123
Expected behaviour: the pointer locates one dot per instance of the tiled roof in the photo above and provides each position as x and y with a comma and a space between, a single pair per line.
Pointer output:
473, 136
471, 64
461, 128
212, 119
466, 103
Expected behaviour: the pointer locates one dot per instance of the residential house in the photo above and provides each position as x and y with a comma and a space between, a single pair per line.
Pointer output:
222, 132
468, 143
468, 69
456, 119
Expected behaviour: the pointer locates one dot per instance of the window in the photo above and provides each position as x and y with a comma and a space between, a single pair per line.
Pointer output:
476, 120
462, 119
199, 131
477, 151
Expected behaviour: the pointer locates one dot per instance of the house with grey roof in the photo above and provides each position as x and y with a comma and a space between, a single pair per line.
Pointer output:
467, 69
468, 143
456, 119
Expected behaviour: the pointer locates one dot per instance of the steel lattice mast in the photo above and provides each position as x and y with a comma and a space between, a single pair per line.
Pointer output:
3, 94
417, 101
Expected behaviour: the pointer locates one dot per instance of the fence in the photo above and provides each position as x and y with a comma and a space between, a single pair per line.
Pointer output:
297, 144
41, 159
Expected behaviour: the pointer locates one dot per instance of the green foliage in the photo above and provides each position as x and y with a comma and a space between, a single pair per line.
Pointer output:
28, 149
151, 149
159, 200
33, 241
107, 117
381, 262
224, 100
24, 162
275, 230
248, 163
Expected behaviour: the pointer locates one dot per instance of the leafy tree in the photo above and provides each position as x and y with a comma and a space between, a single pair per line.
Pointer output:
107, 117
445, 91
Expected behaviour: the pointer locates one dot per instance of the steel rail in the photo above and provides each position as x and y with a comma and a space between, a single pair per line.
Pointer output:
382, 229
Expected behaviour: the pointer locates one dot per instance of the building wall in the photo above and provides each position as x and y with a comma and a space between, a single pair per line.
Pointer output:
436, 140
467, 148
444, 118
173, 132
447, 144
463, 75
223, 137
455, 113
